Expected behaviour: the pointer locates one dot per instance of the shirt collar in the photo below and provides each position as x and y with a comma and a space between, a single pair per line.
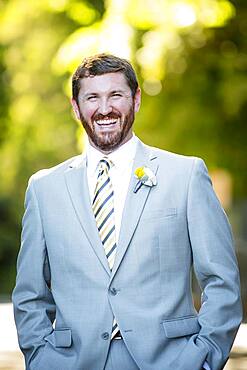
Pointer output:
121, 157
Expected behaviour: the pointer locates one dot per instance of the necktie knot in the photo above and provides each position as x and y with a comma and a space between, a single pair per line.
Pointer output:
104, 165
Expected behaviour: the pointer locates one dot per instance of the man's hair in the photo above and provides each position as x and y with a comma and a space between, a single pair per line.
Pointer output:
100, 64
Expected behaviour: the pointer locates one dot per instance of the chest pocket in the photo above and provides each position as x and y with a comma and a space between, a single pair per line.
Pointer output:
159, 213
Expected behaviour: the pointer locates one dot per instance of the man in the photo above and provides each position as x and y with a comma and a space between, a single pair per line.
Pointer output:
108, 243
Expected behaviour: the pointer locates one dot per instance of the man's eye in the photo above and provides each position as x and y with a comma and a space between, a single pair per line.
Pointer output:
116, 95
92, 98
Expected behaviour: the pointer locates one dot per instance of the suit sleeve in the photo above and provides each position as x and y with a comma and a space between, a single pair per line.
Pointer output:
34, 308
215, 266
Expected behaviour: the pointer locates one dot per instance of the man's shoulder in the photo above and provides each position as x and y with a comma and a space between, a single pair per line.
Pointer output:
173, 158
174, 164
58, 169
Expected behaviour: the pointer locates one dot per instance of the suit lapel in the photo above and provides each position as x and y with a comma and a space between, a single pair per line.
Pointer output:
134, 203
76, 180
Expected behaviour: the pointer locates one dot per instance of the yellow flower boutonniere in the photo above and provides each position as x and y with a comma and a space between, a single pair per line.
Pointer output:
145, 177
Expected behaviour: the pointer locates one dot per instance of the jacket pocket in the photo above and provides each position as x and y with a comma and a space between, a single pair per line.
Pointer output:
160, 213
60, 338
181, 326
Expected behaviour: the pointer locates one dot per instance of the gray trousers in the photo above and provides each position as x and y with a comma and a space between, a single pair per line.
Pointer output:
119, 357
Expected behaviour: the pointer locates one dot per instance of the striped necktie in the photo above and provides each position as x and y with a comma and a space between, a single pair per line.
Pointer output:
103, 208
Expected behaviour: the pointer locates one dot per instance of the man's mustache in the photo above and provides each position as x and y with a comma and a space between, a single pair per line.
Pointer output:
111, 115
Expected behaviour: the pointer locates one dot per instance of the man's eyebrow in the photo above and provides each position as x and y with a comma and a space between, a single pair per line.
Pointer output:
121, 91
89, 94
86, 95
117, 91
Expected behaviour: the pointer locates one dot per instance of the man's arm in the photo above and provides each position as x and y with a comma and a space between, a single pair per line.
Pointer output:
215, 267
34, 307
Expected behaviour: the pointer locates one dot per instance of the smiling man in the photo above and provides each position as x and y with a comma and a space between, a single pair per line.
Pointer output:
106, 107
108, 244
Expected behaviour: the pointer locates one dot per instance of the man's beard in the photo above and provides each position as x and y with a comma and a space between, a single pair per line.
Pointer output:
109, 141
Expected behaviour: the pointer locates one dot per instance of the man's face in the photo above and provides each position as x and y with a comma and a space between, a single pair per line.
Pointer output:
107, 109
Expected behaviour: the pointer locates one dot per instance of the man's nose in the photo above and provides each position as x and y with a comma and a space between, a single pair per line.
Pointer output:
104, 107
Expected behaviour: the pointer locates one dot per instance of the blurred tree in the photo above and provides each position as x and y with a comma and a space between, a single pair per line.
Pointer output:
36, 128
205, 102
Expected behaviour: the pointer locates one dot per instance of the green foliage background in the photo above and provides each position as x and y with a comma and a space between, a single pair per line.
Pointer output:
200, 110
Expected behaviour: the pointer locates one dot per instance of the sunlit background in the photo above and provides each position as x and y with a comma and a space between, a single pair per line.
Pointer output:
190, 57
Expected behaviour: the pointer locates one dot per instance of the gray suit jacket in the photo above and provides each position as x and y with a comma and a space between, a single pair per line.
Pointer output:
65, 294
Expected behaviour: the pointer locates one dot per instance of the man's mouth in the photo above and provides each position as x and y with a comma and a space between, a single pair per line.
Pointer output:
106, 122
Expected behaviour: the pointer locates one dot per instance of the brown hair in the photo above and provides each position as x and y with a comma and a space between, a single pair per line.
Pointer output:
100, 64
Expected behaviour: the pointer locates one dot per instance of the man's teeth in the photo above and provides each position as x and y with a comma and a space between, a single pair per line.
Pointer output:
106, 121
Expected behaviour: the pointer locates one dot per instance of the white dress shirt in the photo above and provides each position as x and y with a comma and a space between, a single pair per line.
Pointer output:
120, 174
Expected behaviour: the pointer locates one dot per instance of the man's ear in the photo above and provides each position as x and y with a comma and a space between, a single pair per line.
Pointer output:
137, 99
75, 108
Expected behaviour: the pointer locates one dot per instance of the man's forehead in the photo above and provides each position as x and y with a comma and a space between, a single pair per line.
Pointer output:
104, 82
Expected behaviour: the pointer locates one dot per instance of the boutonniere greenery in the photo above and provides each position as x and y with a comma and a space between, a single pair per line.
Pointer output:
145, 177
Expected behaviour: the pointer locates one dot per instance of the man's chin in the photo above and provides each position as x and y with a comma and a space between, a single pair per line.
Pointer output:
107, 142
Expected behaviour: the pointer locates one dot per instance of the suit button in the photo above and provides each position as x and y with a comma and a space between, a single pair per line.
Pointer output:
113, 291
105, 336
